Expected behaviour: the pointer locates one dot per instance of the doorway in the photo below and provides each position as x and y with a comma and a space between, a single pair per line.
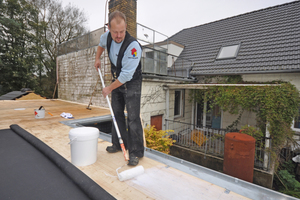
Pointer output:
157, 121
213, 117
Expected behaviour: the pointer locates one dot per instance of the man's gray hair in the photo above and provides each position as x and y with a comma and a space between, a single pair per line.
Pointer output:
116, 14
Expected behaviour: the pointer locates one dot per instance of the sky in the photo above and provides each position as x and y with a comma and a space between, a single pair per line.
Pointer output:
171, 16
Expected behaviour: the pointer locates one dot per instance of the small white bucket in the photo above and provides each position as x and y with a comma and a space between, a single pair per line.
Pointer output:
84, 145
39, 113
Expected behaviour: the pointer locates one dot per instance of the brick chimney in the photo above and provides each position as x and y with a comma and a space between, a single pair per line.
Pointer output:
128, 7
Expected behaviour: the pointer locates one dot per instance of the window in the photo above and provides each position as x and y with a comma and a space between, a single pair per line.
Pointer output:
296, 124
150, 54
179, 103
228, 52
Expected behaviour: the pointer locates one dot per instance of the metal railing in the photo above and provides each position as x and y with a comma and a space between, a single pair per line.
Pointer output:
156, 58
159, 62
210, 141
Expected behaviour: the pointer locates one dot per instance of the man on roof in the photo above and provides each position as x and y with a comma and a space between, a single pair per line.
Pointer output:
125, 55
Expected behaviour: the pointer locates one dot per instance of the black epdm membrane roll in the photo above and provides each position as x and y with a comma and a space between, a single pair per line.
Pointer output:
30, 169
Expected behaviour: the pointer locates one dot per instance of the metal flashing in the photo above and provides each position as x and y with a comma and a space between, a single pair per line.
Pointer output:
227, 182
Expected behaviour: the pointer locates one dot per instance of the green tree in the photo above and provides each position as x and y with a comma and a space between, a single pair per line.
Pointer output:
60, 24
18, 45
30, 31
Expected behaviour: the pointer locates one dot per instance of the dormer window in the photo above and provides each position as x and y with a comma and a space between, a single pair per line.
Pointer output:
227, 52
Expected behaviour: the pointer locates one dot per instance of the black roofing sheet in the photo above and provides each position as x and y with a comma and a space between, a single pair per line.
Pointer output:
12, 95
269, 39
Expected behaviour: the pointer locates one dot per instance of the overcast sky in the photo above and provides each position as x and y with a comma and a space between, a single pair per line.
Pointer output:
171, 16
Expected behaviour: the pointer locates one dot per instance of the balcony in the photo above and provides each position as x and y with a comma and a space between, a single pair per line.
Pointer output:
160, 55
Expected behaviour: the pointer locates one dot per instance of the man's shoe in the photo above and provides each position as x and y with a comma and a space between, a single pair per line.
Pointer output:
133, 161
112, 149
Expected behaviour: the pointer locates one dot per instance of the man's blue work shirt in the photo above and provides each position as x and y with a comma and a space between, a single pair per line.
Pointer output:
130, 61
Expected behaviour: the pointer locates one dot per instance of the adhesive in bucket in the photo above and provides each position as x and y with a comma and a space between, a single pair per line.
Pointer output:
39, 113
84, 145
130, 173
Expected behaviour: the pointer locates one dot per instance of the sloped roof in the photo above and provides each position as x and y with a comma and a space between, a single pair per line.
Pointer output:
269, 42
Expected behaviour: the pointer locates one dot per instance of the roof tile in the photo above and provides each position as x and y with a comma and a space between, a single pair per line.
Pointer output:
269, 40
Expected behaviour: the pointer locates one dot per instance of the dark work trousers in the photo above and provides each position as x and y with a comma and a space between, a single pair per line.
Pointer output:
128, 95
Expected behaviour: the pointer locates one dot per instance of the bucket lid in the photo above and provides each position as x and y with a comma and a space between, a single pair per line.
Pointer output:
84, 133
240, 137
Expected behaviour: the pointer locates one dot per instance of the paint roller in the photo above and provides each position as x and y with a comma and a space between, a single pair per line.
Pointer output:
130, 173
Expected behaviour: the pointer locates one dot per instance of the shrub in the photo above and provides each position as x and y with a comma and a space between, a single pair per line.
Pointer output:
285, 181
158, 139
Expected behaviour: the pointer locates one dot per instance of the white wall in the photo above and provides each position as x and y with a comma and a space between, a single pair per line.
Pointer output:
173, 50
187, 116
153, 101
248, 118
294, 78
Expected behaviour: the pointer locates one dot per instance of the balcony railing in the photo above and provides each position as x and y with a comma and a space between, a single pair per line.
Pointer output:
211, 141
157, 62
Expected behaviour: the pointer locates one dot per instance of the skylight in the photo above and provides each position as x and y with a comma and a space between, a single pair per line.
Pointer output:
228, 51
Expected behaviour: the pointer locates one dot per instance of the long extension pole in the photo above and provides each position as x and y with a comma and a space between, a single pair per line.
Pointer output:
114, 119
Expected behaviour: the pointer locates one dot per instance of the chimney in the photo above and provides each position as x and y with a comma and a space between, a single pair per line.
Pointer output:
128, 7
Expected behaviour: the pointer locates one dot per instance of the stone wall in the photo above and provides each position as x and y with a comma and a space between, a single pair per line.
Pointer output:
78, 78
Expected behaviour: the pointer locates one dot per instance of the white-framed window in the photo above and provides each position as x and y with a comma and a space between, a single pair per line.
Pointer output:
296, 122
179, 103
227, 52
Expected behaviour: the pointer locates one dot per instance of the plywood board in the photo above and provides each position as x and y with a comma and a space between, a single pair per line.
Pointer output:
158, 181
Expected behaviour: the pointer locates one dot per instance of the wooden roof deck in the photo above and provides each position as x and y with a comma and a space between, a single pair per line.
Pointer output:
158, 182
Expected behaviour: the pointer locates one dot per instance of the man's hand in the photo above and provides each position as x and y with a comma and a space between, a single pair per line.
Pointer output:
97, 64
97, 58
106, 91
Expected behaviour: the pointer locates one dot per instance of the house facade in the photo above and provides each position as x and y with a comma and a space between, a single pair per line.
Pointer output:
260, 46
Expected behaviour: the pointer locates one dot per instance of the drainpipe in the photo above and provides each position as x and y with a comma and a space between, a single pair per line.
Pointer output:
204, 111
204, 122
193, 114
167, 107
267, 145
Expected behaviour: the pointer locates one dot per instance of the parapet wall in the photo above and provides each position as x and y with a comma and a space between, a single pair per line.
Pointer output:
78, 78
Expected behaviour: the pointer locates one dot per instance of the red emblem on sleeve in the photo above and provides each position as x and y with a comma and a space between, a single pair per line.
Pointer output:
133, 52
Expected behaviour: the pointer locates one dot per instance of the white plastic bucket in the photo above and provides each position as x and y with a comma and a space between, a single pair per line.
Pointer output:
84, 145
39, 113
